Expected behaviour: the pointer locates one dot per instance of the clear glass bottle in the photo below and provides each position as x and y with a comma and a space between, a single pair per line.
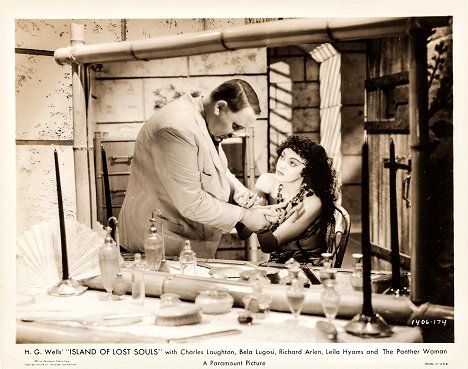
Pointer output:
327, 271
138, 281
120, 285
291, 264
258, 303
108, 264
356, 277
330, 299
188, 260
153, 246
295, 293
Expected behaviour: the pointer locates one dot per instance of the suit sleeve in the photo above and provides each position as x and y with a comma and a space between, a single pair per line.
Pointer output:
175, 157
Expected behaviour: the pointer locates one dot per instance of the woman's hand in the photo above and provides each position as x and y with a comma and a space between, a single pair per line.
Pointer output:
244, 197
279, 215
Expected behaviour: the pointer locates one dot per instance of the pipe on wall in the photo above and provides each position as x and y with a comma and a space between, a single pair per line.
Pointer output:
80, 134
269, 34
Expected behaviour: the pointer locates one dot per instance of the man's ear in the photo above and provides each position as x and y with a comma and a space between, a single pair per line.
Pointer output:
219, 106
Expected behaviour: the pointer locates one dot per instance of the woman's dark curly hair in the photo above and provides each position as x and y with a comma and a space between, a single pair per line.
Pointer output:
318, 173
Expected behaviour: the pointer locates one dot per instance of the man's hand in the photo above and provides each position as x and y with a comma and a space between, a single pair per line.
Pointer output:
255, 219
244, 197
279, 215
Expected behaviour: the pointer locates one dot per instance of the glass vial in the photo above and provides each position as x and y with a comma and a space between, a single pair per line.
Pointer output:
295, 293
356, 276
153, 246
327, 271
188, 260
258, 303
330, 299
138, 281
108, 263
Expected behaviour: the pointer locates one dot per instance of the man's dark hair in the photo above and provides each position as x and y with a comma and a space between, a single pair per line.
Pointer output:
238, 94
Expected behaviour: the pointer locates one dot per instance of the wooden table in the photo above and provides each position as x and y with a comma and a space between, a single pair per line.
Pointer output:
278, 326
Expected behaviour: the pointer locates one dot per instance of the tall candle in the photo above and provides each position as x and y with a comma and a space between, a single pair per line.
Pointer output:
107, 194
366, 252
63, 237
395, 246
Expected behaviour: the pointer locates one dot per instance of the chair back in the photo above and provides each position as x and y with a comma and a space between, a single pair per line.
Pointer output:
338, 234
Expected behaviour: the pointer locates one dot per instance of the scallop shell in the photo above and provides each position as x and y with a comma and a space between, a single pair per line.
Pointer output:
41, 250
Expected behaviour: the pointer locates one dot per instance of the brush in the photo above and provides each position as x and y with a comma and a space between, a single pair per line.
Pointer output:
178, 315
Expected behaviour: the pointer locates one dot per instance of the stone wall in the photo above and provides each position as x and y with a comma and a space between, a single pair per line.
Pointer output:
123, 95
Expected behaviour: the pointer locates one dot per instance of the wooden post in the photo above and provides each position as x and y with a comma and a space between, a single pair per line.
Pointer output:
394, 244
419, 140
99, 181
80, 136
91, 147
249, 176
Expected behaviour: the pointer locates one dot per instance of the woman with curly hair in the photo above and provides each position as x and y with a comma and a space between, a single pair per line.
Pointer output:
304, 181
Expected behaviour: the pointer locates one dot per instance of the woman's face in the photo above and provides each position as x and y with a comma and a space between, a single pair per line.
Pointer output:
289, 167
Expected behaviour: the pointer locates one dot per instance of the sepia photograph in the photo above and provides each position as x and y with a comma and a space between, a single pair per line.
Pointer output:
234, 191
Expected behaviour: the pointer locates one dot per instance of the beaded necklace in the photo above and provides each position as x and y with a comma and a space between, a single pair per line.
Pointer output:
304, 191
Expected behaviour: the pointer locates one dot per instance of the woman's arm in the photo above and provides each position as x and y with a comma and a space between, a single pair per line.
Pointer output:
297, 223
264, 187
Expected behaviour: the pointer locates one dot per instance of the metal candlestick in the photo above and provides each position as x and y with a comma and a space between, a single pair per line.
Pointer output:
363, 325
367, 323
67, 286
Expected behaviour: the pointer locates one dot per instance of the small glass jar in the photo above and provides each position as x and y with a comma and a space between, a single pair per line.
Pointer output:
214, 301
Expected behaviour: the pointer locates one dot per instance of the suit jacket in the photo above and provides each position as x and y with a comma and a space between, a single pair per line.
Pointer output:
177, 169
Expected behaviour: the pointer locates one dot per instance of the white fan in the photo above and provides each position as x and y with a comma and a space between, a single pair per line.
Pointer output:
41, 250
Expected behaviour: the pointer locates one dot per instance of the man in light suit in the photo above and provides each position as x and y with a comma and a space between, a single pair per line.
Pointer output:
179, 168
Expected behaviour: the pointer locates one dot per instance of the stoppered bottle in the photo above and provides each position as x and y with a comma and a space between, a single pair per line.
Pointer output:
188, 260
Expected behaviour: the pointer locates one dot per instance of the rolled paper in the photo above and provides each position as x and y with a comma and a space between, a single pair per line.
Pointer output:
63, 236
395, 246
365, 241
187, 287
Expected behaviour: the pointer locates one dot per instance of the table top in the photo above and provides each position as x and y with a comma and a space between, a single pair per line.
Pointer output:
275, 327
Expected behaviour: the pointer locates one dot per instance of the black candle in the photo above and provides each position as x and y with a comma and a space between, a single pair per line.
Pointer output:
107, 194
395, 245
366, 252
63, 237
